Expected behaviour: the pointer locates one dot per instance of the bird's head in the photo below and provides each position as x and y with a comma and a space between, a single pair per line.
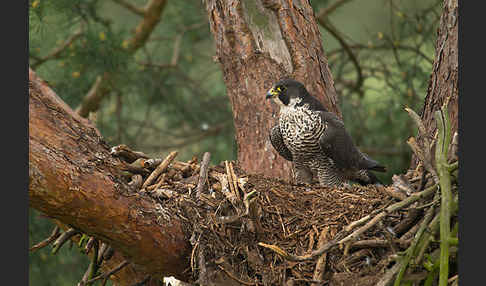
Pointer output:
287, 92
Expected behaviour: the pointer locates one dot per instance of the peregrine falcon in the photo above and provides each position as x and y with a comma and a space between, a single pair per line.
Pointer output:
315, 140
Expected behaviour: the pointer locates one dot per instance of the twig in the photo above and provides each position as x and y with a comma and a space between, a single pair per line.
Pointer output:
92, 268
353, 236
412, 249
203, 278
225, 187
57, 52
416, 50
203, 174
444, 128
378, 243
101, 252
432, 229
405, 224
333, 243
152, 163
453, 278
393, 192
330, 28
108, 253
176, 50
137, 10
423, 156
390, 209
233, 184
321, 262
106, 276
419, 123
175, 56
161, 168
324, 12
454, 146
233, 276
389, 275
54, 234
89, 245
126, 153
91, 101
401, 182
65, 236
423, 153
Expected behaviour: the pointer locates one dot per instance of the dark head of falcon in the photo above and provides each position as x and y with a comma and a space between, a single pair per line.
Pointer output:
315, 140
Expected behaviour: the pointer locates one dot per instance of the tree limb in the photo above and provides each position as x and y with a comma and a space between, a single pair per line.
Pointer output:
57, 51
74, 179
135, 9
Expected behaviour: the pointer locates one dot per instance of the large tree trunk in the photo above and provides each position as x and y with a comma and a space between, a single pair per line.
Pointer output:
74, 179
258, 42
443, 80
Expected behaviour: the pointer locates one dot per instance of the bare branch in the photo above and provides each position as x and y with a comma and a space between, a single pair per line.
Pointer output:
398, 46
92, 100
55, 234
151, 18
324, 12
56, 53
137, 10
106, 276
203, 174
326, 24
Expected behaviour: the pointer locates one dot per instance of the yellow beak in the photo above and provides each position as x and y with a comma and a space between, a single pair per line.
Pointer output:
271, 93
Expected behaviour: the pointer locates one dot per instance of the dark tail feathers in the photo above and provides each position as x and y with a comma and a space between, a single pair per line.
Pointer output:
370, 164
378, 168
370, 180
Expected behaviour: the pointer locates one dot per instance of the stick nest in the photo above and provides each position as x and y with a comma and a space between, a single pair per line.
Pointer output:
247, 229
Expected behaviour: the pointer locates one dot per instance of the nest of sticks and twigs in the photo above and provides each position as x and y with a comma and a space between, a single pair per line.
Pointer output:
246, 229
253, 230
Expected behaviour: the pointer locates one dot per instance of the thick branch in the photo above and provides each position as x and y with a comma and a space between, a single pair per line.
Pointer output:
73, 178
153, 11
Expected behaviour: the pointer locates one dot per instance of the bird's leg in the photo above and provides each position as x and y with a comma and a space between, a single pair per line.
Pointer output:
303, 174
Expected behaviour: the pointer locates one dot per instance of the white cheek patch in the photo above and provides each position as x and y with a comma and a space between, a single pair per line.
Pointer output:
294, 101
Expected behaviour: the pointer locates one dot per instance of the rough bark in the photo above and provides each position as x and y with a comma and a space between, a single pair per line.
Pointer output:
257, 43
74, 179
443, 83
